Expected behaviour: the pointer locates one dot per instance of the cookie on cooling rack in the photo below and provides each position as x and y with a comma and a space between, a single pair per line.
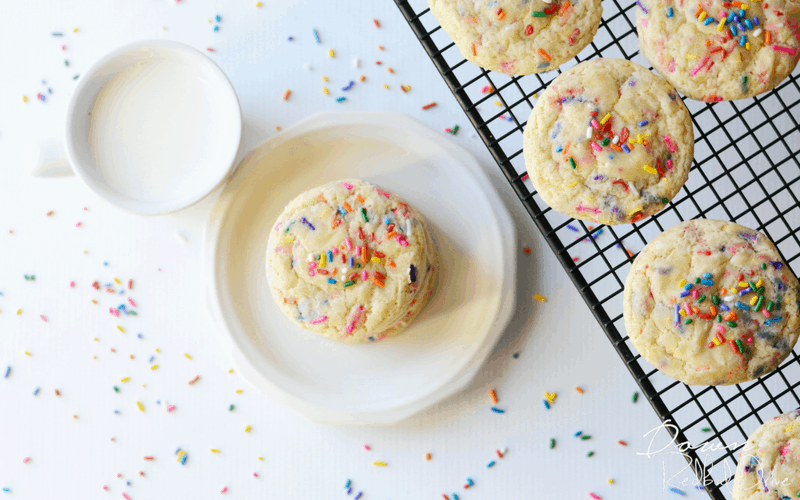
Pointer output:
519, 37
608, 141
710, 302
769, 464
351, 261
720, 50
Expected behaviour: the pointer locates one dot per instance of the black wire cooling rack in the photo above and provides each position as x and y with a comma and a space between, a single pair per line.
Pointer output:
745, 170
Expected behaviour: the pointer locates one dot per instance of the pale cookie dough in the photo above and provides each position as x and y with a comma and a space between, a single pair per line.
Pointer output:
519, 37
769, 464
609, 142
711, 303
351, 262
717, 50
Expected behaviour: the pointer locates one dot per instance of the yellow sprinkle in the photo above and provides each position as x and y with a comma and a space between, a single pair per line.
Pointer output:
181, 453
605, 119
117, 281
325, 89
385, 86
19, 311
375, 259
330, 52
154, 367
324, 78
24, 98
323, 260
239, 391
758, 284
140, 405
230, 371
261, 458
747, 45
610, 481
721, 24
75, 30
637, 210
682, 312
535, 95
258, 4
742, 284
790, 427
380, 464
703, 15
733, 291
247, 429
681, 283
214, 450
288, 239
540, 298
650, 170
27, 353
96, 339
715, 340
120, 329
123, 380
639, 138
754, 300
187, 355
691, 56
550, 397
744, 6
158, 350
498, 103
573, 184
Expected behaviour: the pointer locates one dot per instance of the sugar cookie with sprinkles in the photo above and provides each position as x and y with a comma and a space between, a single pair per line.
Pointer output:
719, 50
608, 142
769, 464
519, 37
711, 302
351, 262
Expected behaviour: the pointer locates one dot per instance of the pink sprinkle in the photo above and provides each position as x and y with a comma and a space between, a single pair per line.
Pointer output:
524, 177
721, 329
119, 474
347, 185
697, 68
335, 250
319, 320
223, 490
785, 449
26, 460
79, 224
348, 244
366, 447
356, 317
125, 495
385, 194
402, 240
670, 145
595, 146
170, 408
788, 50
596, 497
72, 284
132, 302
669, 164
105, 488
44, 318
765, 313
64, 48
113, 312
595, 124
749, 340
695, 293
686, 308
364, 275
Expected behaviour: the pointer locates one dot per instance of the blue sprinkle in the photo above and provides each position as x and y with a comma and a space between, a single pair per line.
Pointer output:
687, 286
773, 320
469, 482
678, 313
546, 404
304, 221
748, 23
626, 148
490, 464
578, 433
498, 410
708, 276
742, 13
330, 256
217, 18
340, 99
331, 281
36, 391
105, 263
745, 292
349, 86
742, 306
290, 38
559, 148
729, 20
9, 489
341, 211
151, 358
349, 490
733, 30
543, 65
359, 495
316, 37
708, 21
643, 123
116, 411
455, 497
216, 28
139, 335
706, 282
8, 372
724, 307
183, 458
669, 12
756, 21
679, 492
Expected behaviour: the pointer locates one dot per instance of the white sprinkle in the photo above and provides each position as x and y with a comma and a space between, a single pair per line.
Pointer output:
757, 32
588, 132
307, 67
631, 187
728, 298
356, 62
310, 258
181, 237
615, 140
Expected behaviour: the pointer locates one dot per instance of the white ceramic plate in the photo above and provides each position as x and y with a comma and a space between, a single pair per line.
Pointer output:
443, 348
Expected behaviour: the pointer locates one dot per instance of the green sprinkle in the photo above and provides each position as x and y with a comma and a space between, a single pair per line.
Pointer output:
688, 321
696, 281
66, 63
760, 291
552, 443
590, 454
571, 162
584, 438
664, 200
719, 318
701, 299
358, 265
778, 306
763, 264
455, 129
364, 214
739, 345
116, 389
753, 286
635, 396
605, 141
230, 408
715, 300
731, 324
706, 429
349, 283
770, 305
538, 14
758, 303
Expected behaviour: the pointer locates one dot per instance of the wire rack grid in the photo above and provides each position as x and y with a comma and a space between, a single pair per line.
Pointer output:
745, 170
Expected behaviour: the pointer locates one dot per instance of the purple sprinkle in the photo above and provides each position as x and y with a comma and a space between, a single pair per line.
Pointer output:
724, 307
686, 293
744, 292
413, 273
572, 228
776, 264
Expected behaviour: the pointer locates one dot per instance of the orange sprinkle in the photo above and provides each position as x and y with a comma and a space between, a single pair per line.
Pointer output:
544, 54
474, 52
360, 199
564, 8
286, 95
377, 282
713, 310
630, 146
493, 396
364, 254
723, 292
389, 235
695, 309
347, 207
730, 316
698, 11
767, 37
336, 223
290, 301
427, 456
391, 263
580, 391
615, 147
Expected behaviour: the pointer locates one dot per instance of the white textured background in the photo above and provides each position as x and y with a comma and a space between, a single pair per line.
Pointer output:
561, 346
